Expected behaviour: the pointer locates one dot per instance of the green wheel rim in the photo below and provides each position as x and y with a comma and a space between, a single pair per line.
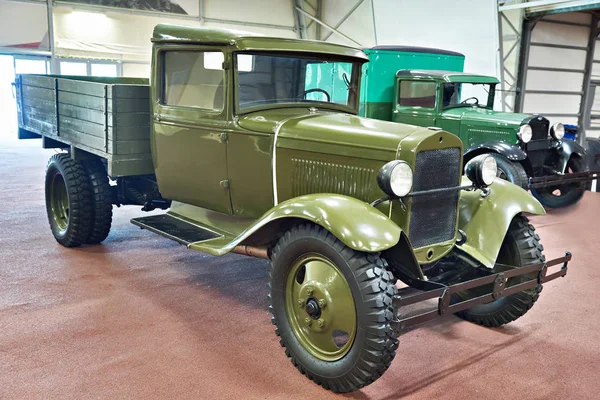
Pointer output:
320, 307
59, 202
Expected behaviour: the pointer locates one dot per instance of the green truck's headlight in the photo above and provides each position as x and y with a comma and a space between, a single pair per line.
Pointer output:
482, 170
557, 131
525, 133
395, 178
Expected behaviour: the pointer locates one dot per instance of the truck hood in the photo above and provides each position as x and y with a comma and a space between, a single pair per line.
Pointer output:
332, 129
485, 116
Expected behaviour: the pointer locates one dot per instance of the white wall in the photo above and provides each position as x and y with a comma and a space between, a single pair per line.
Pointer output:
358, 26
23, 23
467, 26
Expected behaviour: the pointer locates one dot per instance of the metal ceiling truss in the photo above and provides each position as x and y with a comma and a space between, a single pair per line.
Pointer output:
312, 10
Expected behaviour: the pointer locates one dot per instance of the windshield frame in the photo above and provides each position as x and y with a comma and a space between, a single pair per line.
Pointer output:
490, 99
350, 108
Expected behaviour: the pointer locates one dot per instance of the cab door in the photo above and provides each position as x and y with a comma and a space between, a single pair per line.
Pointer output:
189, 121
416, 102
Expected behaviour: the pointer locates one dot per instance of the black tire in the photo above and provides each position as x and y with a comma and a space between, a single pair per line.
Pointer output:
511, 171
372, 287
102, 200
569, 194
72, 226
521, 246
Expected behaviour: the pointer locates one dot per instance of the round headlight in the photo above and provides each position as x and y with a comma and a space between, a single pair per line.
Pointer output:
525, 133
557, 131
395, 178
482, 170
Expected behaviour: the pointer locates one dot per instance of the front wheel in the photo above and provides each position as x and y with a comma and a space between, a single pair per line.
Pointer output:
511, 171
332, 308
521, 247
559, 196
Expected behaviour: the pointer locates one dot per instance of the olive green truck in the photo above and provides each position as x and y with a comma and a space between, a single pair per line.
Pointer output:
236, 136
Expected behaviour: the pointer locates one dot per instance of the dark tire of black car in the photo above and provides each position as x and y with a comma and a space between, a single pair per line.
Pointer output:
69, 200
102, 200
569, 194
511, 171
520, 247
372, 286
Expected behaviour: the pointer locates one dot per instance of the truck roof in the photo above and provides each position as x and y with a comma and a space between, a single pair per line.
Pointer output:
448, 76
415, 49
247, 41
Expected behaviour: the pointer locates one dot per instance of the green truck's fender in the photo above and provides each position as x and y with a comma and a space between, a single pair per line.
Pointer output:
357, 224
485, 220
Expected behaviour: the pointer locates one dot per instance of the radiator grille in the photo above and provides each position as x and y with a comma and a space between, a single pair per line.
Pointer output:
539, 128
311, 176
433, 216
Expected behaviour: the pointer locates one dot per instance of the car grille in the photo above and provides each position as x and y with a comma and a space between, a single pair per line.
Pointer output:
433, 216
539, 127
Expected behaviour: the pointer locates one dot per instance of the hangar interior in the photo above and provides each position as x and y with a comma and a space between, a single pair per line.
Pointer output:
140, 317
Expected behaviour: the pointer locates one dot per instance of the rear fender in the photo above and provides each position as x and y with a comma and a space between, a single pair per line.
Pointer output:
485, 220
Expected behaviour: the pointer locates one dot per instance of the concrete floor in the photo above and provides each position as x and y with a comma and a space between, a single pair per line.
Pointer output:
142, 317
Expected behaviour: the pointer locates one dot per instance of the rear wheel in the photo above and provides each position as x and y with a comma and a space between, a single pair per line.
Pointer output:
102, 200
511, 171
563, 195
332, 307
68, 200
521, 246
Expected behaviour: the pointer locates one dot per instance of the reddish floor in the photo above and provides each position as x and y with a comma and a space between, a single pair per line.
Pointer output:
141, 317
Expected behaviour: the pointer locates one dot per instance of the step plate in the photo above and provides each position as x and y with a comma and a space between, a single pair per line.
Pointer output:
174, 228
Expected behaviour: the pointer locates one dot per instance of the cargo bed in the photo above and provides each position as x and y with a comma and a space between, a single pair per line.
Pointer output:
108, 117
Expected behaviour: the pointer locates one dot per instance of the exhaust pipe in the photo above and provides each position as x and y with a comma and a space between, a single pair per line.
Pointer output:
252, 251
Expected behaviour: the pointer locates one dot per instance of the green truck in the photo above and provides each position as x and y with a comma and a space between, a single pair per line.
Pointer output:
426, 87
237, 136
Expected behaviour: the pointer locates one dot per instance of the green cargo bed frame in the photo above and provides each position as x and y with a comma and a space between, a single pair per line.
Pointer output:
101, 116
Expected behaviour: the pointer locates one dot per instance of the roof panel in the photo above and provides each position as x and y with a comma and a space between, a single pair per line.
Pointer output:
448, 76
245, 41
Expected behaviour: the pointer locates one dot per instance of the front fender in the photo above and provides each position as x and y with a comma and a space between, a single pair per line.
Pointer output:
485, 220
510, 151
354, 222
569, 148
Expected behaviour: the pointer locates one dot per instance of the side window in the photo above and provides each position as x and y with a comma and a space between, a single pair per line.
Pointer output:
417, 94
193, 79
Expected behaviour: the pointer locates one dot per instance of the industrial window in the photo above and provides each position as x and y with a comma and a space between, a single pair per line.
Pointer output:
417, 94
193, 79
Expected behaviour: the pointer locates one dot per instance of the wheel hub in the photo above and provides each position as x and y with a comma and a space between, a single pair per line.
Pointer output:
320, 307
312, 308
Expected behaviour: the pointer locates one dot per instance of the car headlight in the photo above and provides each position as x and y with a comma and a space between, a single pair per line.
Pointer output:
525, 133
482, 170
395, 178
557, 131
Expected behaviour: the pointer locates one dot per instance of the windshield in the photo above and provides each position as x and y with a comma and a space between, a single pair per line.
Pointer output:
466, 94
272, 79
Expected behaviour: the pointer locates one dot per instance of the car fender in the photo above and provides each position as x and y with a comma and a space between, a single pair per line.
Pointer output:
356, 223
569, 148
485, 220
510, 151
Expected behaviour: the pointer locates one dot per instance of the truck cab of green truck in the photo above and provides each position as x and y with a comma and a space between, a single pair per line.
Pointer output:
427, 87
254, 146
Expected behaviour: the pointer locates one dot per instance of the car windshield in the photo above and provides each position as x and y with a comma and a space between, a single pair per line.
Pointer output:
272, 79
466, 94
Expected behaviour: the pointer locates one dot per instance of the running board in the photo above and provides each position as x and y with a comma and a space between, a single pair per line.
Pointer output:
174, 228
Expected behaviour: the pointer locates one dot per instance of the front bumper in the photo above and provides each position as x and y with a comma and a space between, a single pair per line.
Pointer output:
557, 180
499, 290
